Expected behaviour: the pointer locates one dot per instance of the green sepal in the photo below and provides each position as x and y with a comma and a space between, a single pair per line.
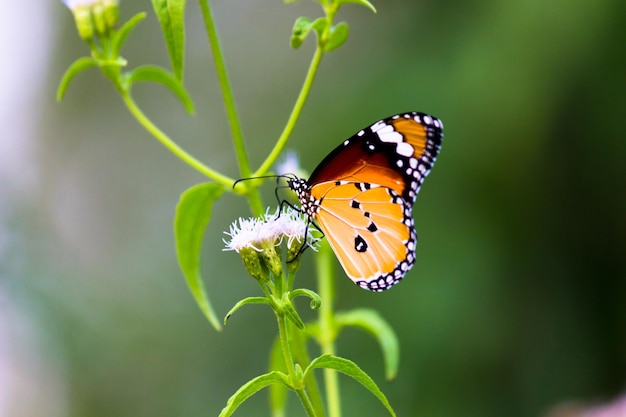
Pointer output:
316, 300
78, 66
338, 36
171, 17
361, 2
252, 387
121, 35
162, 76
373, 323
347, 367
193, 213
248, 300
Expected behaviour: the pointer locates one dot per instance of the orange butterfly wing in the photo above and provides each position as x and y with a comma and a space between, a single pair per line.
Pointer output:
369, 228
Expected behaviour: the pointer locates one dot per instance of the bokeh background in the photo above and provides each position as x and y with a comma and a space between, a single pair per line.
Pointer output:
517, 303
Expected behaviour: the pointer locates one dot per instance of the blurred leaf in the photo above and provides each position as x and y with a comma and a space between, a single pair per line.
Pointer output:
171, 17
301, 29
120, 36
193, 213
338, 36
250, 388
361, 2
346, 366
80, 65
372, 322
319, 25
248, 300
164, 77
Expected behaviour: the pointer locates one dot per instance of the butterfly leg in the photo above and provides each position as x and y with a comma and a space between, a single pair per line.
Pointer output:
304, 244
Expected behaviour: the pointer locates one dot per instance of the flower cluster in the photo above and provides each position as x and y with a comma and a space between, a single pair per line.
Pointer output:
252, 237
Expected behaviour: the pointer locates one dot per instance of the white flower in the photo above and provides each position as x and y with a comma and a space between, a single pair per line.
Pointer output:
290, 164
269, 228
73, 4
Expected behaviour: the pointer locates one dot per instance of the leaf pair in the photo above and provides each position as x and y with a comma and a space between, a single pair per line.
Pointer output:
303, 26
345, 366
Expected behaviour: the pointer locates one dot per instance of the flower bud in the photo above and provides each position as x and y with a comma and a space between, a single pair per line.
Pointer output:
271, 256
254, 265
84, 22
111, 13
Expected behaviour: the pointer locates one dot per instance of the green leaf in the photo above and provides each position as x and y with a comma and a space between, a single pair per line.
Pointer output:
373, 323
80, 65
351, 369
338, 36
162, 76
171, 17
277, 392
303, 26
119, 37
319, 25
361, 2
248, 300
250, 388
193, 213
301, 29
316, 300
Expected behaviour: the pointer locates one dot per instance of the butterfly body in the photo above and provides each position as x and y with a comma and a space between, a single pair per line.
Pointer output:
361, 196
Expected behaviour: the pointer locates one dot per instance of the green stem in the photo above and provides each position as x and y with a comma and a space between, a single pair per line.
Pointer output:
295, 114
306, 402
325, 278
254, 197
291, 369
171, 145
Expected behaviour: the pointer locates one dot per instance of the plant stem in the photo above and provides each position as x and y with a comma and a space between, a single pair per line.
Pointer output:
291, 369
306, 402
295, 114
254, 197
325, 279
171, 145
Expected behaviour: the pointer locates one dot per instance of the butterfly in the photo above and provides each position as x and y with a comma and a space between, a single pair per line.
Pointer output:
361, 196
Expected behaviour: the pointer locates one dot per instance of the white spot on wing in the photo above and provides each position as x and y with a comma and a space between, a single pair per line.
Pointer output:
390, 137
405, 149
378, 125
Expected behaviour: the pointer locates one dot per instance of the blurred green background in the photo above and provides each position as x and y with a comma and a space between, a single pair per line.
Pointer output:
517, 302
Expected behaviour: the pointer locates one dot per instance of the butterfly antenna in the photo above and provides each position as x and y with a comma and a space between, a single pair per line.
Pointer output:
260, 177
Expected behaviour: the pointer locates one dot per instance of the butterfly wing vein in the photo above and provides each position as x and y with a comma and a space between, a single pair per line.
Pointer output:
375, 216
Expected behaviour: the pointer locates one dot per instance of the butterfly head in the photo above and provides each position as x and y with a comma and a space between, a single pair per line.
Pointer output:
302, 188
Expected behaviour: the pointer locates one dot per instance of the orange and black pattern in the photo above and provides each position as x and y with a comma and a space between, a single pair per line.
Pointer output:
361, 196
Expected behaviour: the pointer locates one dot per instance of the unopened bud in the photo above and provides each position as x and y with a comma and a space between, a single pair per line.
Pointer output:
252, 260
